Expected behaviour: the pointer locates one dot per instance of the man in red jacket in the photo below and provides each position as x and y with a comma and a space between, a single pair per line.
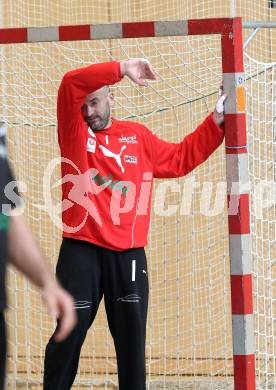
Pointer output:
108, 168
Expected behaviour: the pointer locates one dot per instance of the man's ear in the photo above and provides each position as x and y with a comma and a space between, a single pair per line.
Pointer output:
111, 98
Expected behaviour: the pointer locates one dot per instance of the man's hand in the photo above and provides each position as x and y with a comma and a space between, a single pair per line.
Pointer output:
138, 70
60, 306
218, 115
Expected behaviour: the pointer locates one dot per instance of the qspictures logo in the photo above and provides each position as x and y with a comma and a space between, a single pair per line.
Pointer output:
85, 190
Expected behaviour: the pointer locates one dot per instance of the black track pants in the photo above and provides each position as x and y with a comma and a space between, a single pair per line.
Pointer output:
2, 350
90, 272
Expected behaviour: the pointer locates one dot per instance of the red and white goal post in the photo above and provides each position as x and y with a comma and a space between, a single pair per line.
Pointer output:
230, 32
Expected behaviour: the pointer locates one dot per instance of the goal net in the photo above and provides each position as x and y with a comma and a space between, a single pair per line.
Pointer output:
189, 333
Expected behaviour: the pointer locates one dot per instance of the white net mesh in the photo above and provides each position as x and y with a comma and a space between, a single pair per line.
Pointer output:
183, 275
189, 323
260, 87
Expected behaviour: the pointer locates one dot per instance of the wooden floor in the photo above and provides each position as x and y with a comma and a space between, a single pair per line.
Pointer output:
155, 384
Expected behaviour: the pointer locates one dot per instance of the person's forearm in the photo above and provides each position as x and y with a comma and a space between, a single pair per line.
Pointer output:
25, 255
93, 77
77, 84
175, 160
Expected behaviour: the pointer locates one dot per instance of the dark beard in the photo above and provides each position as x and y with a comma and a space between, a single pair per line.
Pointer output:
101, 122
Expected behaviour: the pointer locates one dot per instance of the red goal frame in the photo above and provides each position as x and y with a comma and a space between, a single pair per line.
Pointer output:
230, 30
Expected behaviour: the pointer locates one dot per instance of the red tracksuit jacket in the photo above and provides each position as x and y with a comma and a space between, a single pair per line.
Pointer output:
107, 176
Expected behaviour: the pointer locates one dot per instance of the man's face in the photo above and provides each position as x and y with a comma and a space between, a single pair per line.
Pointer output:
96, 110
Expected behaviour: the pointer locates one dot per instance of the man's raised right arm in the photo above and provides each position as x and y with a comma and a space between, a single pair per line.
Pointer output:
77, 84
